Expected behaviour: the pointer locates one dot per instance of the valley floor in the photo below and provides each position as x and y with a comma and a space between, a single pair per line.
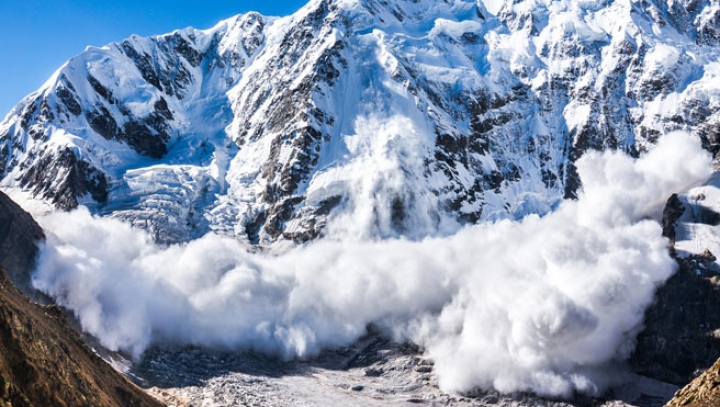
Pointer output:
374, 371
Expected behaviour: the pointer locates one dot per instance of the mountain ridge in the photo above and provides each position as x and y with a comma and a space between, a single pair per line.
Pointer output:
20, 236
256, 128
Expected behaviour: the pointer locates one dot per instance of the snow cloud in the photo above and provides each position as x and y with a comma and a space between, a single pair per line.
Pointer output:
544, 304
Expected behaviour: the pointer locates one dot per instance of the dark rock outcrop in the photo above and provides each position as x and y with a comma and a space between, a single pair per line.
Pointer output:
674, 209
682, 328
62, 178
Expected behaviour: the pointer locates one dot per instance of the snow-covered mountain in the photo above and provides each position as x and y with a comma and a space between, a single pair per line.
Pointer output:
412, 116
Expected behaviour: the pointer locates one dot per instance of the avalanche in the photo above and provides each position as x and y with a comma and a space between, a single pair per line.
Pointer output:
543, 305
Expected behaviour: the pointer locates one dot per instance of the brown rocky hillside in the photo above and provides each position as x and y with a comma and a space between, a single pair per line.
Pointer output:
704, 391
44, 362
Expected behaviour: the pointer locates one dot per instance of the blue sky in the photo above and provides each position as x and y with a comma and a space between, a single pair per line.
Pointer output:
37, 37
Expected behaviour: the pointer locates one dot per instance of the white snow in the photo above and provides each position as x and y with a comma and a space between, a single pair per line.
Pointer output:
695, 235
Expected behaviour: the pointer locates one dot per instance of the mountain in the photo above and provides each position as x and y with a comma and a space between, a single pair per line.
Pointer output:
413, 116
371, 119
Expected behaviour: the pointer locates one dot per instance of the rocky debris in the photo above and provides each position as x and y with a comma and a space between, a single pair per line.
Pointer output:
704, 391
19, 239
373, 371
44, 362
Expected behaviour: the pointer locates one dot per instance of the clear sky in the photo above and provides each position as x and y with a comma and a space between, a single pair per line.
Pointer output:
38, 36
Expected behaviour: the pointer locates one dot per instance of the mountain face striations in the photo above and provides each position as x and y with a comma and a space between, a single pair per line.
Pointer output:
414, 116
701, 392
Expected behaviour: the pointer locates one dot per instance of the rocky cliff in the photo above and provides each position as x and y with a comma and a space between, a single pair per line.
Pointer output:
681, 329
681, 336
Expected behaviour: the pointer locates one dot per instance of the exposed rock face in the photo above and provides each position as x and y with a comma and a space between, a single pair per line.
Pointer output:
62, 179
701, 392
672, 212
19, 239
259, 127
682, 328
44, 362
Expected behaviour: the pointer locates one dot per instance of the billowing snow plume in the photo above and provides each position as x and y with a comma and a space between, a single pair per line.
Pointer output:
542, 304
